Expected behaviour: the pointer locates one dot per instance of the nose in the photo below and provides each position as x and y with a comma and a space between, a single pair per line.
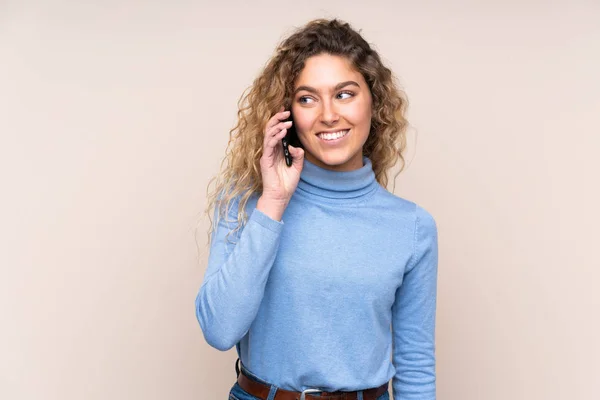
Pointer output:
329, 113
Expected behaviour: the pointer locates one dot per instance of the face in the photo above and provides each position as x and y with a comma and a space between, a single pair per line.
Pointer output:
331, 107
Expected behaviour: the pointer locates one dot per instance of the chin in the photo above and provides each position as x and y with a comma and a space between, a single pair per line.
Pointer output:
334, 161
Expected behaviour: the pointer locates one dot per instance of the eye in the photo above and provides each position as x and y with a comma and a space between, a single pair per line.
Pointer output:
304, 100
347, 95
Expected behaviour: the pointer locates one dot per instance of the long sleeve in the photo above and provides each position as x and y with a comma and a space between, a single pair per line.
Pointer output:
413, 317
235, 278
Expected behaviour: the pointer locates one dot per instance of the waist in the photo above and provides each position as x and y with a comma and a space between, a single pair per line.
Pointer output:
262, 389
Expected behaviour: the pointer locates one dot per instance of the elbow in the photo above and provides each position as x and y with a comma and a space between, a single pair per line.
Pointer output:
215, 336
219, 342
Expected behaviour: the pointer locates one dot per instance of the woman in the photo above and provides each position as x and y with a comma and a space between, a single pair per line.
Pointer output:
312, 263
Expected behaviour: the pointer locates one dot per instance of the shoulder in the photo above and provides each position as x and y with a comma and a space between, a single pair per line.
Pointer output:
394, 202
425, 223
417, 220
422, 218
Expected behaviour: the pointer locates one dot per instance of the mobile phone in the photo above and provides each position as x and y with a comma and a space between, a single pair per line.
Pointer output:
290, 138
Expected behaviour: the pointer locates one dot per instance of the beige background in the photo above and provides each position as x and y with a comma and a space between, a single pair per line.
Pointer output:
114, 115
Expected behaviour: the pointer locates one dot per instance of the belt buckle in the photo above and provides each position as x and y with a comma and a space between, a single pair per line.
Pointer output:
304, 392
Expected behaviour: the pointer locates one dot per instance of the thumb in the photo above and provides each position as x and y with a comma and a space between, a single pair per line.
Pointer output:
297, 156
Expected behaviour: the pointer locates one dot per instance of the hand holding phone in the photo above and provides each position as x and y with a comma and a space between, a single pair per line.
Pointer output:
279, 184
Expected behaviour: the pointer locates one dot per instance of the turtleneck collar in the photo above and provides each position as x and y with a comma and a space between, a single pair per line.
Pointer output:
338, 185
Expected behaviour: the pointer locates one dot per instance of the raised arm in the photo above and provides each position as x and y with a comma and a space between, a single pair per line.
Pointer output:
236, 275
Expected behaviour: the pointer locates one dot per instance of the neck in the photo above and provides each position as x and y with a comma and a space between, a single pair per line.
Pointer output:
338, 185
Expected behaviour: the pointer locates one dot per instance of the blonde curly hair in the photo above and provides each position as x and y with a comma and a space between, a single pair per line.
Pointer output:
240, 174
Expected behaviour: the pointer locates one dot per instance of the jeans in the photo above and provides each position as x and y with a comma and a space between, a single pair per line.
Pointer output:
237, 393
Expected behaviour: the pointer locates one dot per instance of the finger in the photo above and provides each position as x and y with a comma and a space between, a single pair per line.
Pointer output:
275, 119
272, 133
297, 155
272, 143
282, 125
276, 130
275, 145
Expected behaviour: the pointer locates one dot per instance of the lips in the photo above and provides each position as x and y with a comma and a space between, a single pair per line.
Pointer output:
328, 136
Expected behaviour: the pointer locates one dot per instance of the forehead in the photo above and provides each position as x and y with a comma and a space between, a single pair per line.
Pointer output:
325, 71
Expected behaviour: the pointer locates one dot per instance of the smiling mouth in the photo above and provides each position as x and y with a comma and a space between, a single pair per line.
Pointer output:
331, 136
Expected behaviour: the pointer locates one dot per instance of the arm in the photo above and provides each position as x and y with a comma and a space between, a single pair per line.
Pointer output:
413, 317
235, 278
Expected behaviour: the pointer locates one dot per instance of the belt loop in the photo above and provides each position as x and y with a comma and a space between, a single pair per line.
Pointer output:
360, 395
237, 368
272, 392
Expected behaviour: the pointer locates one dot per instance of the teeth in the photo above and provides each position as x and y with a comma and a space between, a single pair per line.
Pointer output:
332, 135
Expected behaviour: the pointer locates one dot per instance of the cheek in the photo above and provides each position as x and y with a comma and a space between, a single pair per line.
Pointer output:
303, 122
360, 113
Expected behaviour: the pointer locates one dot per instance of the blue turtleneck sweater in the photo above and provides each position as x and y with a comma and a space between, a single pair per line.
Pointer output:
338, 295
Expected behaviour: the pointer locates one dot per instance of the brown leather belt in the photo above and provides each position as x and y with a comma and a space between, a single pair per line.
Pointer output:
261, 391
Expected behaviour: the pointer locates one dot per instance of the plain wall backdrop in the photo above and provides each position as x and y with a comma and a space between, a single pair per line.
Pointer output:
115, 114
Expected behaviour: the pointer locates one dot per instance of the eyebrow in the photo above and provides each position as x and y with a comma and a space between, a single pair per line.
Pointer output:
336, 87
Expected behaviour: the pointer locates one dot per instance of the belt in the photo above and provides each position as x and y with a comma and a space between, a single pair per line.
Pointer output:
261, 391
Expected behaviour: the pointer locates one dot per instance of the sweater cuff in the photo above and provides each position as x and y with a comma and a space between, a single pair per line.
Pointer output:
265, 221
